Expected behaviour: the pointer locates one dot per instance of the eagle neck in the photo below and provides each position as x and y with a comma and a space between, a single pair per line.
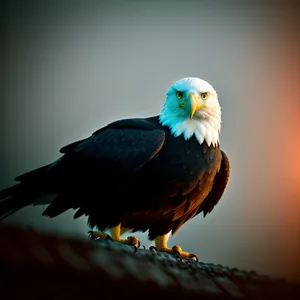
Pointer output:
204, 129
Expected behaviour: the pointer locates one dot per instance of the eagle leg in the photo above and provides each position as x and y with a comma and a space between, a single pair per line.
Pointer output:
161, 245
116, 237
131, 240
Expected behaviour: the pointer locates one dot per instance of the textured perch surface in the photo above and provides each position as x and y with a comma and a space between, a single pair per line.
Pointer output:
44, 266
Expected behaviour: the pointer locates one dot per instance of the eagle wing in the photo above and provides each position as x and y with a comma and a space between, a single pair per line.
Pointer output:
219, 186
89, 173
106, 162
128, 143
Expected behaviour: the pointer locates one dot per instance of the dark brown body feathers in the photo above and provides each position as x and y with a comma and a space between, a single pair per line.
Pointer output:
131, 171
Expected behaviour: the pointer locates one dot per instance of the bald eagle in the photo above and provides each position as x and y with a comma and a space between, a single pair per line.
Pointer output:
137, 174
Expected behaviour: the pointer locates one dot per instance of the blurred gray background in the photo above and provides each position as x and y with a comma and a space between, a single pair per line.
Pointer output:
70, 67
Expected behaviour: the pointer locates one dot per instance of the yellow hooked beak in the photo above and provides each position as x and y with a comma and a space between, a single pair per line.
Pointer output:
195, 103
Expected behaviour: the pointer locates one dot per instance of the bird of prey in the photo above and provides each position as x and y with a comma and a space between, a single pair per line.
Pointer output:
140, 174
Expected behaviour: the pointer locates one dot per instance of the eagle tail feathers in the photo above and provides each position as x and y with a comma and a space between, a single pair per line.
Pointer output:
24, 193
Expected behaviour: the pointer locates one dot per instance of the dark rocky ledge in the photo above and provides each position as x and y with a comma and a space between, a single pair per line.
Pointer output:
40, 266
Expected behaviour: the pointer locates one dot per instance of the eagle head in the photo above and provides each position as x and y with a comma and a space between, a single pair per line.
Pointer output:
192, 108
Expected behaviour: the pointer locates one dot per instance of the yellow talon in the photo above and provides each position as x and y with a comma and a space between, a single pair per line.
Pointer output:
131, 240
115, 236
161, 245
176, 248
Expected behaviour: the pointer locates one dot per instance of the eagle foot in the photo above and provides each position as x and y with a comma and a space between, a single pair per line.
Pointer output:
180, 254
131, 240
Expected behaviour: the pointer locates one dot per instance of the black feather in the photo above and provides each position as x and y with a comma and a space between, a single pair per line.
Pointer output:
220, 183
24, 193
80, 212
132, 171
58, 206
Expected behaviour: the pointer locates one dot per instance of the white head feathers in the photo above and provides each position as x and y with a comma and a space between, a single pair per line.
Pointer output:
192, 108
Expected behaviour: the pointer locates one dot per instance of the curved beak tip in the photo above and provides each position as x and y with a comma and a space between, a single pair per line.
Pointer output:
195, 104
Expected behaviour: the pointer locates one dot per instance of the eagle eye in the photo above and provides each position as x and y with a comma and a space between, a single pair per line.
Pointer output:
204, 95
179, 94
